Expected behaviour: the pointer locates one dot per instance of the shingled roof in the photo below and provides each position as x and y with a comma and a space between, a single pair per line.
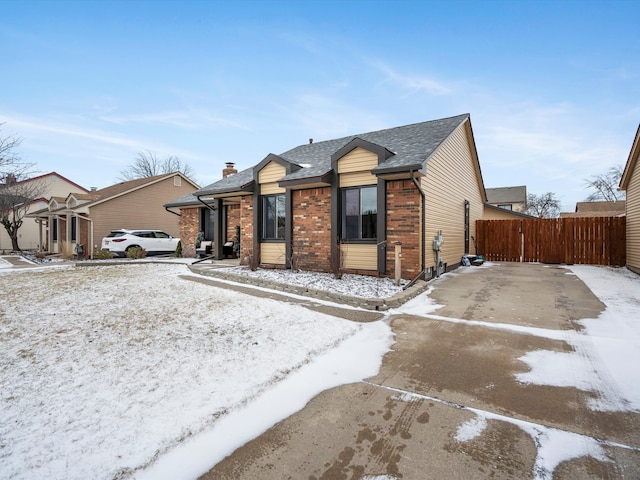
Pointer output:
409, 147
507, 194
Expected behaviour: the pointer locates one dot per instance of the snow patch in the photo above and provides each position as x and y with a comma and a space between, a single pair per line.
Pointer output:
607, 352
117, 365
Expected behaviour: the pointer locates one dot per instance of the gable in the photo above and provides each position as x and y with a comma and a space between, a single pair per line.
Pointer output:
355, 168
268, 178
357, 160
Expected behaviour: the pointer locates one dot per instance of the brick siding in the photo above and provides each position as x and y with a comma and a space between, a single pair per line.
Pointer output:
246, 229
233, 220
312, 229
189, 228
403, 225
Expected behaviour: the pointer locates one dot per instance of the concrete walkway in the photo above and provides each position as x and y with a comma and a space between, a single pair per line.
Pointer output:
17, 261
444, 371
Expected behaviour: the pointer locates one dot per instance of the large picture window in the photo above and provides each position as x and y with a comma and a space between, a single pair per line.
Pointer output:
273, 217
359, 213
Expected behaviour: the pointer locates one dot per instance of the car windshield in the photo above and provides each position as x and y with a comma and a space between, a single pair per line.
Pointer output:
117, 233
162, 235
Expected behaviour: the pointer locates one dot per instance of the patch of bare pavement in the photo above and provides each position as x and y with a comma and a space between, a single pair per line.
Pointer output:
446, 403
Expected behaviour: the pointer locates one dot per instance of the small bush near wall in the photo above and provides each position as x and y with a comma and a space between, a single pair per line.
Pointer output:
102, 254
136, 252
66, 250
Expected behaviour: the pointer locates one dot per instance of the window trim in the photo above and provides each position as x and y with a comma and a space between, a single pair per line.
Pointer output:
343, 215
74, 229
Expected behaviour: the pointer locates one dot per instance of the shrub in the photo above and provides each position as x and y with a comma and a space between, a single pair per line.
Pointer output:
136, 252
66, 250
179, 249
102, 254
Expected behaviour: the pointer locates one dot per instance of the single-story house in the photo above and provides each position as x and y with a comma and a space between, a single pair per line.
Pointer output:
630, 182
85, 218
597, 209
508, 198
346, 204
46, 185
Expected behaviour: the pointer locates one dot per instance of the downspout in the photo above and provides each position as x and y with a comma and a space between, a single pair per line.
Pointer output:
167, 209
422, 235
204, 203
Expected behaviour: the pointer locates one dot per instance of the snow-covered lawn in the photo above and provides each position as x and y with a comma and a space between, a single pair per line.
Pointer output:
104, 369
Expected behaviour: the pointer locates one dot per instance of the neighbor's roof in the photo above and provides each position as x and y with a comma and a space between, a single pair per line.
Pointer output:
53, 174
597, 209
410, 146
507, 194
98, 196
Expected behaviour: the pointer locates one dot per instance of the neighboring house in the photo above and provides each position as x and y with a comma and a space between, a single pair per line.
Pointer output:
491, 212
630, 182
88, 217
508, 198
49, 184
597, 209
345, 203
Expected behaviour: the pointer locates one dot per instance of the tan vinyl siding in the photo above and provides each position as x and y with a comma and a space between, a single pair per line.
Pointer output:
270, 189
633, 221
139, 209
451, 179
356, 179
358, 160
268, 178
272, 253
359, 257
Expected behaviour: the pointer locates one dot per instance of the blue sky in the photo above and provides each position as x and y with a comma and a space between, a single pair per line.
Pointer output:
553, 88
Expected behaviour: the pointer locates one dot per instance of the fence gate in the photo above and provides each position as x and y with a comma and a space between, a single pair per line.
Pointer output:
588, 240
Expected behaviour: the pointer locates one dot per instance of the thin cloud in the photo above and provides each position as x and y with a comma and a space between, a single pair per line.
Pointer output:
414, 83
72, 131
187, 120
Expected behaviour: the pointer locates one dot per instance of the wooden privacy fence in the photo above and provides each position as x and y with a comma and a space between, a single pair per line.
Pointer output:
588, 240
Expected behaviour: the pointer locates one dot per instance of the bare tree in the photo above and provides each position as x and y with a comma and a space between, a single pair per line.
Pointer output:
16, 196
605, 186
17, 191
147, 164
543, 206
10, 162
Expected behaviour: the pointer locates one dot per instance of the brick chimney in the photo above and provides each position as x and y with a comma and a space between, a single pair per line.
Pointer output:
229, 170
10, 179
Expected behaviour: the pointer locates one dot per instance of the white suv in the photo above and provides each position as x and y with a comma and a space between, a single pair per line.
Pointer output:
155, 242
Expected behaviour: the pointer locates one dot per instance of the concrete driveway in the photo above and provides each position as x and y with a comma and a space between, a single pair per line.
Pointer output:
446, 403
